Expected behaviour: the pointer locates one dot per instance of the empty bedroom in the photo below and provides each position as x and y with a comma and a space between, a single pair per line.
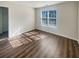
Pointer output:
39, 29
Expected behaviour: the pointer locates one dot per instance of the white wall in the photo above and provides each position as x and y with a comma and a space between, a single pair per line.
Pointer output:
21, 18
67, 20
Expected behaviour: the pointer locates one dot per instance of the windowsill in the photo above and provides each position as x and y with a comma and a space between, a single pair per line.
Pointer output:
52, 26
49, 26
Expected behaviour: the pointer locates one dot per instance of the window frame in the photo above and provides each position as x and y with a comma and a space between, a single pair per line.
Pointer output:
42, 18
48, 19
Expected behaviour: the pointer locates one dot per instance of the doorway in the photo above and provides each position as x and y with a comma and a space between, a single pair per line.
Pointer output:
3, 22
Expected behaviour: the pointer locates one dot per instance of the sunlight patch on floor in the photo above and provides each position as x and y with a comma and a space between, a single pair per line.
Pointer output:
15, 43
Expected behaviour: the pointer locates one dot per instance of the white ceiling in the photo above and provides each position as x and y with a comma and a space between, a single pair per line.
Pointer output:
34, 4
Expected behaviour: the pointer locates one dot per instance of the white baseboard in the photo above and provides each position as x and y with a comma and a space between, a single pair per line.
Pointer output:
61, 35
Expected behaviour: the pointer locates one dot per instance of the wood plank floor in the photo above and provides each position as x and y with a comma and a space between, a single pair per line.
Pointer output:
39, 44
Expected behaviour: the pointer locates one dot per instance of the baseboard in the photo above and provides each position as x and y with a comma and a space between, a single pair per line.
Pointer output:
60, 35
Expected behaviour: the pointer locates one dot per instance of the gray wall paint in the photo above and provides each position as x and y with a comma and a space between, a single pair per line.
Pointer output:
3, 19
78, 22
0, 20
67, 20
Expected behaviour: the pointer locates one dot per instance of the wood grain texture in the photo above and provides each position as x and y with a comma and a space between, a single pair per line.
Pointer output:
39, 44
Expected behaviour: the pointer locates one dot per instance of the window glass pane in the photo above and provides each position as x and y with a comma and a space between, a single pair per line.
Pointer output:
52, 22
44, 21
49, 18
52, 14
44, 14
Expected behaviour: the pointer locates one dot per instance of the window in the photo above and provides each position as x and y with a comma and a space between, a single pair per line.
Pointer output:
44, 17
49, 18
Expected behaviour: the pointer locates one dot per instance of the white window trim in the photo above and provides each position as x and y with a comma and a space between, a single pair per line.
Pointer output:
48, 20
